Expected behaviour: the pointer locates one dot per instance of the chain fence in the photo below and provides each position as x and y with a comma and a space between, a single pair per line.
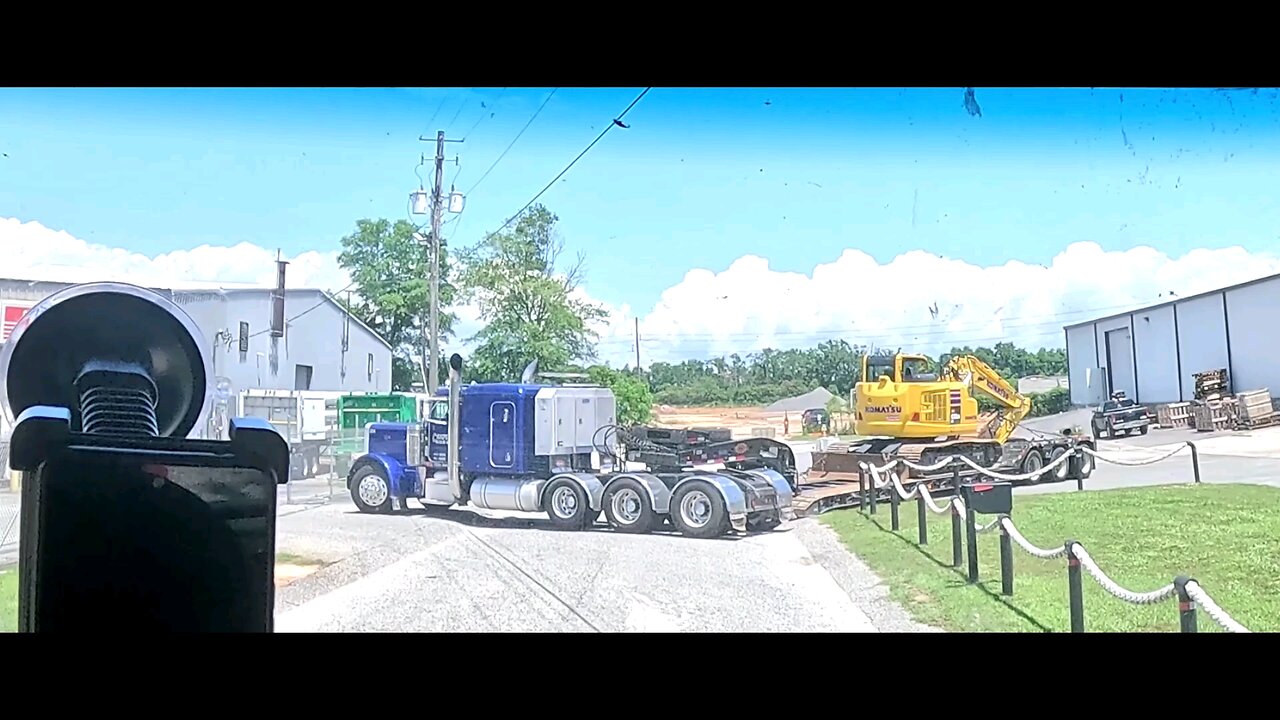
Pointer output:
1188, 592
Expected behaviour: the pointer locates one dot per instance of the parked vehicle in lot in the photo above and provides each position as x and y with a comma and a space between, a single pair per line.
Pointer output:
557, 450
1119, 415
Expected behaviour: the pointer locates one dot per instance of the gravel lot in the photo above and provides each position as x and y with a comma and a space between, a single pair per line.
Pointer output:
463, 571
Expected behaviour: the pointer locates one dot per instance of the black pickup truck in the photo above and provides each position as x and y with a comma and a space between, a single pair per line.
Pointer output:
1119, 415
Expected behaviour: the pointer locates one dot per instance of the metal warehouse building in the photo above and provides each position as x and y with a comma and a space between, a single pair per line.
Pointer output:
1151, 354
307, 341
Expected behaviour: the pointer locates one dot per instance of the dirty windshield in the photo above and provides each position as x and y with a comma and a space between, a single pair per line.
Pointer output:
613, 339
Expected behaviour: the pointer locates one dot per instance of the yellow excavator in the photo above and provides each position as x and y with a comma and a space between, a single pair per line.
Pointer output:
911, 411
903, 409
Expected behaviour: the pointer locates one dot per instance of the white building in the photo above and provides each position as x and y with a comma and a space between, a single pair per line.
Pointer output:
318, 346
1151, 354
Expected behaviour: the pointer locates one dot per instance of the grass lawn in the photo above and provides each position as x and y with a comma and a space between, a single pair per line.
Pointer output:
9, 599
1227, 537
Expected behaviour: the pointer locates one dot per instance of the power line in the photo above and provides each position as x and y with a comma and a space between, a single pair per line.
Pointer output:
437, 112
313, 307
617, 122
513, 140
484, 115
455, 116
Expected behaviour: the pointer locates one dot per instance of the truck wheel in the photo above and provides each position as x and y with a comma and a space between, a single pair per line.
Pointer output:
567, 507
1143, 430
627, 508
698, 511
1033, 462
371, 490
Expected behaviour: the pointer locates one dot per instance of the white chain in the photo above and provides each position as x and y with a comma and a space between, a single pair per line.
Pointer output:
1113, 587
1213, 610
1136, 463
990, 526
1197, 593
928, 500
944, 462
1026, 545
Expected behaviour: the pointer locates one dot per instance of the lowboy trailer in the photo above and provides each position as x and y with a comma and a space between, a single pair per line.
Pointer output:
557, 450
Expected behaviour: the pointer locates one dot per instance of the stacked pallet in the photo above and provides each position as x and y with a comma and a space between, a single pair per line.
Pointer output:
1174, 415
1215, 415
1212, 385
1256, 409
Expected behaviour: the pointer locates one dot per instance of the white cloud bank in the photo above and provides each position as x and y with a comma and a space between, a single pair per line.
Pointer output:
918, 301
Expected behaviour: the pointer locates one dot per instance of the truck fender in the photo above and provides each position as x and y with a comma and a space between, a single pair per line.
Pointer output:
400, 484
734, 499
779, 483
659, 495
590, 485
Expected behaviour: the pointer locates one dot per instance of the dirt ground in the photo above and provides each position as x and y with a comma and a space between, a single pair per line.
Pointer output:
744, 421
287, 573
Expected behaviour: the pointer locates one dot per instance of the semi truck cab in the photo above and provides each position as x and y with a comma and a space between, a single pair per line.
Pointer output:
555, 449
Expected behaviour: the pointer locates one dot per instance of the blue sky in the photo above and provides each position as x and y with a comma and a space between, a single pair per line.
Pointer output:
701, 178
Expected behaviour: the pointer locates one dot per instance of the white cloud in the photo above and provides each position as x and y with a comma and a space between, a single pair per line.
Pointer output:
748, 306
35, 252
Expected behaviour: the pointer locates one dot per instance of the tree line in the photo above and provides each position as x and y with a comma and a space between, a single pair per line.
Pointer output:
524, 289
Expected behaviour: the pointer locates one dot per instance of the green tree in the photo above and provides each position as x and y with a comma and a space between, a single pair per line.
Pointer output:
635, 401
527, 300
392, 290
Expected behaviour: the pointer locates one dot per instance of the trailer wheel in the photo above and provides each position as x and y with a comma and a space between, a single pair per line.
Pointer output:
627, 507
698, 510
567, 507
1061, 472
1086, 464
1033, 462
371, 490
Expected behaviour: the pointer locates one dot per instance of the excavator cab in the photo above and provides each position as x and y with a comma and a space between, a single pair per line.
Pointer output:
898, 368
903, 396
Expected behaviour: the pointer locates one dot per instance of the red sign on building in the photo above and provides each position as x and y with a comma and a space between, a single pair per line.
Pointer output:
12, 314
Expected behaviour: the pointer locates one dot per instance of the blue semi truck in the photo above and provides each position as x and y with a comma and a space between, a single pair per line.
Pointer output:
556, 449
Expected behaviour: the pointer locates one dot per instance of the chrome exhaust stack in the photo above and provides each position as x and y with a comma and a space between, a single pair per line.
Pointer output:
455, 442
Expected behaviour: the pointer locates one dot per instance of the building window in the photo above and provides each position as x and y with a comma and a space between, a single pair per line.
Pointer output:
370, 367
302, 377
244, 340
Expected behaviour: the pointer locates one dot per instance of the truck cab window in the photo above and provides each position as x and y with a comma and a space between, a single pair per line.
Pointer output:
439, 411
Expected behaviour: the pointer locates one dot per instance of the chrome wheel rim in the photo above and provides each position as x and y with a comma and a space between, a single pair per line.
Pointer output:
373, 490
564, 502
626, 506
695, 509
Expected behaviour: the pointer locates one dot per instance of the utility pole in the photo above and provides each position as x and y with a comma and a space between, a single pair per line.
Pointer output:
431, 248
437, 209
637, 346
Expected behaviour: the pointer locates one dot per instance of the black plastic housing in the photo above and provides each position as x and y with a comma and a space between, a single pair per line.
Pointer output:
146, 534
